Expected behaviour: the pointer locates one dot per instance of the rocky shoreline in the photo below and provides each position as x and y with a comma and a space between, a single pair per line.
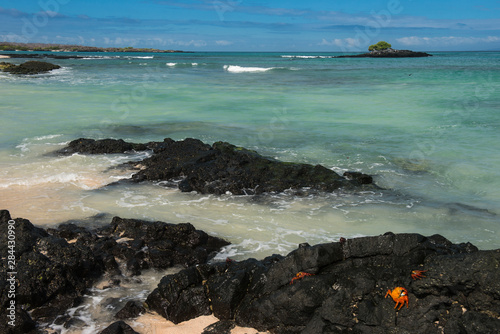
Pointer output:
334, 287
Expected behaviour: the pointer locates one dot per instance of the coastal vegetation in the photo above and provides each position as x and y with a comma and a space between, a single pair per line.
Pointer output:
7, 46
382, 45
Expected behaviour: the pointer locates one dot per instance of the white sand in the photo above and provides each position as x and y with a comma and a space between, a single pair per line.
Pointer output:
153, 323
2, 57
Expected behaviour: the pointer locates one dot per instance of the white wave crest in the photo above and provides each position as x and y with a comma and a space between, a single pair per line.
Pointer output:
305, 57
241, 69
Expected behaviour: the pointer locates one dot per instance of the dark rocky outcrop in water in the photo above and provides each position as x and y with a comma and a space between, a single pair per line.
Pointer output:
103, 146
55, 267
222, 167
345, 292
29, 67
389, 53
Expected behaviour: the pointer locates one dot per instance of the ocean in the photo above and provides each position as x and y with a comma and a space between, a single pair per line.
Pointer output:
427, 130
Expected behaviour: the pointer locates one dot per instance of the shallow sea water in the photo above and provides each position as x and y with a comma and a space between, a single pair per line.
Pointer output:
425, 128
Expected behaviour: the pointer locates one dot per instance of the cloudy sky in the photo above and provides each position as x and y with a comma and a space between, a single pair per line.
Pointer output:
248, 25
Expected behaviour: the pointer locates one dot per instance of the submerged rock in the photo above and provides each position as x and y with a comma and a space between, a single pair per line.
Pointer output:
29, 67
223, 167
344, 290
55, 267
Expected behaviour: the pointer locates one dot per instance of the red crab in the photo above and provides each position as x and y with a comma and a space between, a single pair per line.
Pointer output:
417, 274
399, 295
300, 275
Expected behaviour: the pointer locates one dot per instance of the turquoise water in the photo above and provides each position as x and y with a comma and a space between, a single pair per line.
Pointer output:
427, 129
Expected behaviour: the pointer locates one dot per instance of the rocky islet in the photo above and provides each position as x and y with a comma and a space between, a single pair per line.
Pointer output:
29, 67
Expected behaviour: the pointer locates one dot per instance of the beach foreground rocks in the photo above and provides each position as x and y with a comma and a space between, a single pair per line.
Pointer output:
345, 290
55, 267
222, 168
335, 287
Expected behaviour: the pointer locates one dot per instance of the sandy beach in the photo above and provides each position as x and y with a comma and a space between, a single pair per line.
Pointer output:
4, 57
153, 323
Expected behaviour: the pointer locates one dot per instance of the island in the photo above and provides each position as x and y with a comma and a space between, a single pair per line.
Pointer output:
57, 49
384, 50
7, 46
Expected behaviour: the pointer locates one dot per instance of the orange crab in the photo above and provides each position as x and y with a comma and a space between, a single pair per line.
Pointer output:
417, 274
399, 295
300, 275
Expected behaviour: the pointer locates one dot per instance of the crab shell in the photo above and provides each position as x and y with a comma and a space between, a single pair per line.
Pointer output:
399, 295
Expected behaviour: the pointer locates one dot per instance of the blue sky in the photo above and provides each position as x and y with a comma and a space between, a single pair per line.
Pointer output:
247, 25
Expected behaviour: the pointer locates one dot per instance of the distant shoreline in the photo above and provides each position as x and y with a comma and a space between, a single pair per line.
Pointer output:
42, 47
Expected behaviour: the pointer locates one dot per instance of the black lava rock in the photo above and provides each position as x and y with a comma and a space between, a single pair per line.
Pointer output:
131, 310
29, 67
341, 287
223, 167
118, 327
103, 146
52, 274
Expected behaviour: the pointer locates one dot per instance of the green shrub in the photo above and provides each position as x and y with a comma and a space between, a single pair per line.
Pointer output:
382, 45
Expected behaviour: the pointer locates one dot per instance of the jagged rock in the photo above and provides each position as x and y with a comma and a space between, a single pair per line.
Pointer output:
29, 67
131, 310
118, 327
223, 167
52, 274
103, 146
346, 288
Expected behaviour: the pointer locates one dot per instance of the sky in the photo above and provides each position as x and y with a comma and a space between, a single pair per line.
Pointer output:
248, 25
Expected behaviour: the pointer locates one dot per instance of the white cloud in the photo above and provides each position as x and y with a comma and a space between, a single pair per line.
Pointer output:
224, 43
446, 40
344, 43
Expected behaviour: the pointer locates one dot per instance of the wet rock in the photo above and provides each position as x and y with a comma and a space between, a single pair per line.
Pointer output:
183, 289
103, 146
223, 167
161, 245
131, 310
20, 322
346, 288
29, 67
119, 327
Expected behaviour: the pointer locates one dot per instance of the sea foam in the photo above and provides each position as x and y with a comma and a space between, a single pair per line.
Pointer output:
241, 69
